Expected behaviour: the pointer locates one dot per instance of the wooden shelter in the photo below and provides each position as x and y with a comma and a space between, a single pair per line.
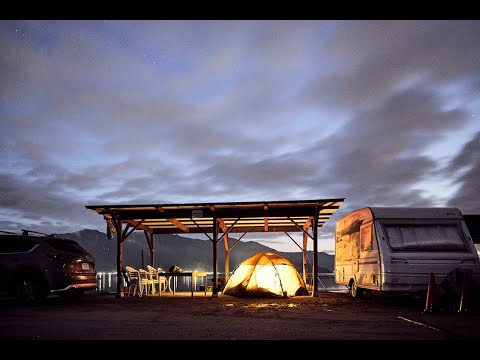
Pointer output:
219, 219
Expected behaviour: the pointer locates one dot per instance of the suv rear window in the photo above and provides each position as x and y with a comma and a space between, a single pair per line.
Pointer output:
66, 245
16, 244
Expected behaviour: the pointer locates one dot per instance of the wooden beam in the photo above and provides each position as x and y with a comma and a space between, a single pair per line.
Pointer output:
228, 230
125, 236
125, 231
293, 240
119, 259
152, 251
140, 227
305, 246
304, 258
227, 257
179, 225
215, 243
315, 255
236, 229
205, 232
235, 243
174, 221
307, 223
154, 213
222, 224
299, 227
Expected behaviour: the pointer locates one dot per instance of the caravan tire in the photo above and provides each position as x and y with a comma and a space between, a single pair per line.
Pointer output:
355, 291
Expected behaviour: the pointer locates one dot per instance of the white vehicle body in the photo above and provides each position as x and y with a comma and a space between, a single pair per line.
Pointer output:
396, 249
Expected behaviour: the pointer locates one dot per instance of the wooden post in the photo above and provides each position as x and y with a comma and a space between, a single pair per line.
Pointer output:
315, 253
215, 241
152, 251
304, 252
227, 257
149, 238
119, 259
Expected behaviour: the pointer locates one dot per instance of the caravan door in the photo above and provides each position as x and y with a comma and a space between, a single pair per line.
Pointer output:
368, 276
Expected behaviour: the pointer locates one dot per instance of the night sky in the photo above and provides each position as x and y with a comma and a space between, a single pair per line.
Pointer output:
383, 113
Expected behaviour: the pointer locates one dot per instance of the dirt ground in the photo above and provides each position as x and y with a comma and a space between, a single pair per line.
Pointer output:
331, 316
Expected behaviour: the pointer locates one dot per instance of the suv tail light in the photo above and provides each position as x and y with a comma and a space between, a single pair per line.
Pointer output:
81, 267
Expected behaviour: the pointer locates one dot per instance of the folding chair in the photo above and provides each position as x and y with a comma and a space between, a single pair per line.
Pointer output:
145, 283
153, 274
133, 280
162, 280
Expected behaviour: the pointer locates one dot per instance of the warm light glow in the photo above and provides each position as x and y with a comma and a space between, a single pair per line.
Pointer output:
273, 305
265, 275
268, 279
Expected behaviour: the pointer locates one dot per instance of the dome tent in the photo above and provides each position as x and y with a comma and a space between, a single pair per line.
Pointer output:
265, 274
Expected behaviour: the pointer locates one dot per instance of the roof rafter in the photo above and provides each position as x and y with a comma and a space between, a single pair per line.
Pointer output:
174, 221
235, 217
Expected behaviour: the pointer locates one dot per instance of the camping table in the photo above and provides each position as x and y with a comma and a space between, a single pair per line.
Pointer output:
193, 278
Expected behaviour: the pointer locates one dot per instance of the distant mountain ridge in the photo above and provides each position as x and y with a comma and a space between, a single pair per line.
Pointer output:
189, 254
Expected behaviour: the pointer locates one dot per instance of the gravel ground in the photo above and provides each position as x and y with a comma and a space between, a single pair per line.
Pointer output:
331, 316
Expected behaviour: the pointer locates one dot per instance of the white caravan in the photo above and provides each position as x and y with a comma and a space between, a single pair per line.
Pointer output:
396, 249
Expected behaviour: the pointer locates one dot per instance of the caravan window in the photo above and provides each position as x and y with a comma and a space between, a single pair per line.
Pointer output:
425, 237
366, 238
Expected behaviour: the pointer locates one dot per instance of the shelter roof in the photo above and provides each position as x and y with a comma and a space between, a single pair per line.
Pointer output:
237, 217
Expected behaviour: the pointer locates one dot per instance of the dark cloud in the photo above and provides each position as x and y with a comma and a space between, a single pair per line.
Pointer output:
194, 111
40, 206
372, 59
375, 159
465, 170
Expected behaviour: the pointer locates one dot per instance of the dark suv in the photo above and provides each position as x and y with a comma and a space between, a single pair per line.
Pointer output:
33, 267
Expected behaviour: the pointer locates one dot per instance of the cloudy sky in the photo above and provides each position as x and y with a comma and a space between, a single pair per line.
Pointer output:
383, 113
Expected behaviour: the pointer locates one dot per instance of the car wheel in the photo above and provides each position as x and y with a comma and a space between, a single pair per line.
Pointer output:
355, 291
30, 289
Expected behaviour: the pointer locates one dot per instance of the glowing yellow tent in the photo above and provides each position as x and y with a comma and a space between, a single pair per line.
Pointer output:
265, 275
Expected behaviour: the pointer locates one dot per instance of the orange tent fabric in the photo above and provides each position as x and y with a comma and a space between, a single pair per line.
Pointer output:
265, 274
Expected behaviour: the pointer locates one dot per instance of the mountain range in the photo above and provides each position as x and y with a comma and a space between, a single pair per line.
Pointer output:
188, 253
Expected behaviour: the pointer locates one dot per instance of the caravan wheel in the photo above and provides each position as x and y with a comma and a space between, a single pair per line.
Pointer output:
355, 291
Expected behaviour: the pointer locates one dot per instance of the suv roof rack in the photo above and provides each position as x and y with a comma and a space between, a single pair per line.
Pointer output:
25, 232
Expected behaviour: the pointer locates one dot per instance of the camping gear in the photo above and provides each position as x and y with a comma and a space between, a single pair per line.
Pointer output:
265, 274
175, 269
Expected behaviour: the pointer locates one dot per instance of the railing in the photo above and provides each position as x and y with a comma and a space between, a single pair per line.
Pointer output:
107, 282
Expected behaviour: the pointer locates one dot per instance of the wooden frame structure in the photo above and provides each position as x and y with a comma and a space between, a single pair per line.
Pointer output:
220, 218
